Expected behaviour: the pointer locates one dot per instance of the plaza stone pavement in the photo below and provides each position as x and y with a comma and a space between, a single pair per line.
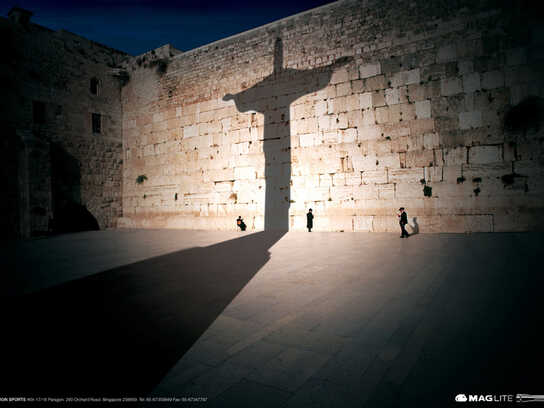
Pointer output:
273, 319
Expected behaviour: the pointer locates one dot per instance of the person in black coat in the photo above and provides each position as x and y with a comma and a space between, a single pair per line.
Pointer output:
309, 220
240, 222
403, 220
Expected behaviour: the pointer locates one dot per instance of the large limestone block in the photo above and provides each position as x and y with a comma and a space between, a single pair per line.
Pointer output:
485, 154
365, 192
355, 119
374, 176
478, 223
459, 191
421, 126
303, 110
439, 223
406, 175
446, 53
307, 139
405, 78
515, 221
248, 173
434, 174
451, 86
363, 163
348, 135
317, 194
379, 148
408, 190
423, 109
320, 108
386, 191
470, 120
431, 140
378, 99
339, 179
339, 223
392, 96
297, 222
455, 156
339, 193
419, 158
365, 100
471, 82
375, 83
325, 180
339, 76
223, 186
492, 79
382, 114
353, 179
329, 137
149, 150
369, 70
190, 131
369, 132
343, 89
324, 123
363, 223
336, 105
450, 174
389, 161
381, 223
341, 121
250, 195
403, 112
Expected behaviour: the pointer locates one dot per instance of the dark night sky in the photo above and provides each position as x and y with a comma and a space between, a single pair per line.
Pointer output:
137, 26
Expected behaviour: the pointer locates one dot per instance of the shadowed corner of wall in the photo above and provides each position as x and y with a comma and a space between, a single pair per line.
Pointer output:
119, 332
69, 214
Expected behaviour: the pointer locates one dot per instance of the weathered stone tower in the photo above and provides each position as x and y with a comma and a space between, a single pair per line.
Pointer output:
436, 107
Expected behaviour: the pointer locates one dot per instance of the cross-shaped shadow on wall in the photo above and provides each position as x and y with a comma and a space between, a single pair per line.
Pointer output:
272, 97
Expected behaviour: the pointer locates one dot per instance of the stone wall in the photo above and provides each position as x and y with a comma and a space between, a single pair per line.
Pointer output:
47, 108
416, 118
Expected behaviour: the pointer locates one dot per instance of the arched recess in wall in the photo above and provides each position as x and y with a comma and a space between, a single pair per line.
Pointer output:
69, 214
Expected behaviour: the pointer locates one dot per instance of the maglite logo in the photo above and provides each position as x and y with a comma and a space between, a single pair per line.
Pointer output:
519, 398
485, 398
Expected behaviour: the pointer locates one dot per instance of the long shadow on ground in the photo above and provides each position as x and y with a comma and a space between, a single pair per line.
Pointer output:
120, 331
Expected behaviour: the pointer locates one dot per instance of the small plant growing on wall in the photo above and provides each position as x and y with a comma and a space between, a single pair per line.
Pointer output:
460, 180
477, 191
508, 179
427, 191
141, 178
